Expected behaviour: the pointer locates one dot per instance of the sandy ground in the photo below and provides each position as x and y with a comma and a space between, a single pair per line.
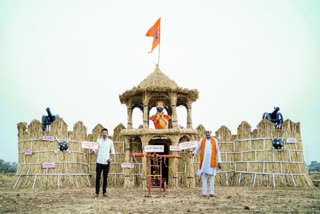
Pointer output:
228, 200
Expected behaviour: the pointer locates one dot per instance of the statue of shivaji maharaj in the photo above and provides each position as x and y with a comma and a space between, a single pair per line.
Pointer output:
160, 119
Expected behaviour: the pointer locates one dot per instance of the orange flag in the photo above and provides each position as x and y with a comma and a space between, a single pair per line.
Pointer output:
154, 31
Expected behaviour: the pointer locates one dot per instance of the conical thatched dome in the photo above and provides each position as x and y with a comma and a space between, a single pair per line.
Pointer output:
158, 80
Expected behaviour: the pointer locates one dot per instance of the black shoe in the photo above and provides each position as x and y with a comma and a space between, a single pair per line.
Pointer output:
212, 195
105, 195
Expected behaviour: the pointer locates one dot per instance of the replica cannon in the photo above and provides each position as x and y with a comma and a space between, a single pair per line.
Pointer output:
275, 117
48, 119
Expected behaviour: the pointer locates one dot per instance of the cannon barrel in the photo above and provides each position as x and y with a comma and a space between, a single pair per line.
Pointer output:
51, 117
274, 113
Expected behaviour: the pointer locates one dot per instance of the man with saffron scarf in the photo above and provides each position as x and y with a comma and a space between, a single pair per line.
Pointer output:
210, 159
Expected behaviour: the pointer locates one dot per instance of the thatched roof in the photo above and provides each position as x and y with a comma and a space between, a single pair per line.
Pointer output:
157, 81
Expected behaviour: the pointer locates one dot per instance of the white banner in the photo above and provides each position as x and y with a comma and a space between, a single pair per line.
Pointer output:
127, 165
28, 152
188, 145
175, 148
291, 140
89, 145
47, 165
154, 148
48, 138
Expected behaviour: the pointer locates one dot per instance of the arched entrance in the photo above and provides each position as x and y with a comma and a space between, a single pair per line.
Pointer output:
165, 161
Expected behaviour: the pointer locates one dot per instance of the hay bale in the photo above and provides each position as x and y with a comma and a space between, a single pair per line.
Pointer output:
34, 129
116, 132
244, 130
258, 145
79, 132
265, 129
22, 130
291, 129
224, 134
59, 129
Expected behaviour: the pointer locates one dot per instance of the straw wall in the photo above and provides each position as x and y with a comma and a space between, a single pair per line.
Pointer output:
248, 157
257, 163
72, 168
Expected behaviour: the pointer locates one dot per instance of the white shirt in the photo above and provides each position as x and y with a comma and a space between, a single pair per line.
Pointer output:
105, 148
206, 163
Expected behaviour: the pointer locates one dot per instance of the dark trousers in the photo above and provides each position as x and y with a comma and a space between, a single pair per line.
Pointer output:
105, 169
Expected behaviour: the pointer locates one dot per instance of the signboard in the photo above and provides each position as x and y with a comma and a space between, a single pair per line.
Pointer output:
28, 152
175, 148
127, 165
291, 140
48, 138
154, 148
188, 145
89, 145
47, 165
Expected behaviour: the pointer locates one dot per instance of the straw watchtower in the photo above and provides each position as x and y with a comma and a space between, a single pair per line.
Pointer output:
158, 87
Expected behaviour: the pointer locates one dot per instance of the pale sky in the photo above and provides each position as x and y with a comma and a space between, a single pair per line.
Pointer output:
76, 57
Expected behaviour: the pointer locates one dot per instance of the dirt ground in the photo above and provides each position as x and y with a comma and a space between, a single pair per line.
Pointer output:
182, 200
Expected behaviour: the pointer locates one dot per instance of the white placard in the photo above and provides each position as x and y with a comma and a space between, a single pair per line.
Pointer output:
175, 148
127, 165
28, 152
154, 148
47, 165
89, 145
188, 145
48, 138
291, 140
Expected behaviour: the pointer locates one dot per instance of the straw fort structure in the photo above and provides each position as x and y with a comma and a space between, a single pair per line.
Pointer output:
248, 157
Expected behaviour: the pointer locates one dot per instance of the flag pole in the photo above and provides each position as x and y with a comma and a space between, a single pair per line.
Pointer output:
159, 54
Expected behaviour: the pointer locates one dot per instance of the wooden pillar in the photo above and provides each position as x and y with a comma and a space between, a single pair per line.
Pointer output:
127, 171
191, 183
174, 118
190, 177
173, 166
129, 114
145, 111
189, 115
144, 170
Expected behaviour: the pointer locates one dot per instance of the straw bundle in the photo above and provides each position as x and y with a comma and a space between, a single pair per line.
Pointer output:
200, 131
244, 130
116, 132
22, 130
59, 129
181, 172
79, 132
34, 129
116, 173
224, 134
258, 145
291, 129
265, 129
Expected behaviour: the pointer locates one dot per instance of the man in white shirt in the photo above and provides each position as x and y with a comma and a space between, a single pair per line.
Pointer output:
210, 159
105, 150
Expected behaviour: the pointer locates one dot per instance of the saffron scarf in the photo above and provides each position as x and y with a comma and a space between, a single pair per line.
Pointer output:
213, 152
